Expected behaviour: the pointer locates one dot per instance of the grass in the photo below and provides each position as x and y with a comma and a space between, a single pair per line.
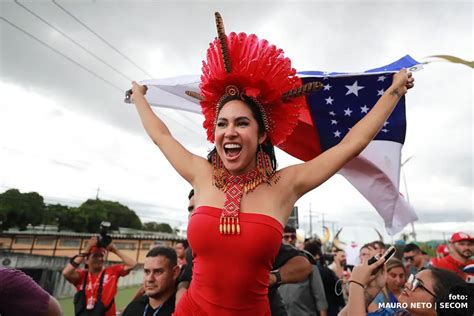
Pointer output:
123, 297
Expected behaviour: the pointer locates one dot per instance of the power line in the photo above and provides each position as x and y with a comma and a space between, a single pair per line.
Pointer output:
83, 67
113, 48
101, 38
74, 41
63, 55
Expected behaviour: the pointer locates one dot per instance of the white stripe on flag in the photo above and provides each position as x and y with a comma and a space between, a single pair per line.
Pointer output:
375, 174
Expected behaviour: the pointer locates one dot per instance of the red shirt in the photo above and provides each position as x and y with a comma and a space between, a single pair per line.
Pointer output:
451, 264
109, 286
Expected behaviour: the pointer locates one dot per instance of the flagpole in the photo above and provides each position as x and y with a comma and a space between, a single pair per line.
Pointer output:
413, 233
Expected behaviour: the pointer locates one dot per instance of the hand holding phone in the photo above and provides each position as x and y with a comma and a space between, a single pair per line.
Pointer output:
387, 255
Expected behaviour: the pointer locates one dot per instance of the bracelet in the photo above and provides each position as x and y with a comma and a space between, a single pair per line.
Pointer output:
74, 263
357, 282
277, 275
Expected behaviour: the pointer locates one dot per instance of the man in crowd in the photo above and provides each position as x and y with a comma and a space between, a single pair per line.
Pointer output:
180, 248
442, 251
462, 247
379, 247
414, 260
305, 298
366, 252
289, 236
21, 295
159, 282
339, 263
96, 286
332, 288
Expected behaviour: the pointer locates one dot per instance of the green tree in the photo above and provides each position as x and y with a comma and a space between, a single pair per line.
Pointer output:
53, 214
97, 211
158, 227
20, 209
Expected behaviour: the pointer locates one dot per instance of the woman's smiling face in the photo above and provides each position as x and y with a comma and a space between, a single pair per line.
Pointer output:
237, 137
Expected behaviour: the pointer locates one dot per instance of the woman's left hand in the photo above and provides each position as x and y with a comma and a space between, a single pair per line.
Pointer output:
402, 81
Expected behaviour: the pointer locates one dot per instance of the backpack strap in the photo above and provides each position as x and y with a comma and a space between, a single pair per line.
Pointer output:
99, 292
85, 281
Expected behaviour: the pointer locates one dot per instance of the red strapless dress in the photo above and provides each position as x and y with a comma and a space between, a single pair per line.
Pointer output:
231, 272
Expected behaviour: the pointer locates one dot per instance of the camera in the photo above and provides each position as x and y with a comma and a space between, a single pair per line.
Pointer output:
103, 240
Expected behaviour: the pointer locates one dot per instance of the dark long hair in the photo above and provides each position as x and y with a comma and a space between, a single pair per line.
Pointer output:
446, 283
267, 145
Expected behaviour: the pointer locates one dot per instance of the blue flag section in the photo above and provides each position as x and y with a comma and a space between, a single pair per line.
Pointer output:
348, 97
345, 100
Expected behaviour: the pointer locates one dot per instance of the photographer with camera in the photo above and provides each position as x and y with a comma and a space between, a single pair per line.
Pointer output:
97, 286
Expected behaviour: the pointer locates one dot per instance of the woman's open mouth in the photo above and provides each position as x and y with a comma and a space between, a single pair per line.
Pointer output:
232, 150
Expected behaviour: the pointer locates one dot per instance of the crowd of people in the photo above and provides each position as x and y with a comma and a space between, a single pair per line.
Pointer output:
303, 281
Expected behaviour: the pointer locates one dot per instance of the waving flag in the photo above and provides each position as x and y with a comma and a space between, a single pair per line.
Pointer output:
345, 99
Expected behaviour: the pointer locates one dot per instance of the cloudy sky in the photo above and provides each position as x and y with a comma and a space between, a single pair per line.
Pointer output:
66, 133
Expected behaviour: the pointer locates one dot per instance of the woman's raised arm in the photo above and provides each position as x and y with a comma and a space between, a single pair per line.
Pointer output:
186, 163
309, 175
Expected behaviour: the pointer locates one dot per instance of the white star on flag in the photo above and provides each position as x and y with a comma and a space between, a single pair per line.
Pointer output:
364, 109
347, 112
332, 113
327, 87
354, 89
337, 134
329, 100
333, 122
381, 78
380, 92
386, 123
384, 130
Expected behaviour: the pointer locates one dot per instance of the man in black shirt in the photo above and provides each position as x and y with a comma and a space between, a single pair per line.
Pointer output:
159, 281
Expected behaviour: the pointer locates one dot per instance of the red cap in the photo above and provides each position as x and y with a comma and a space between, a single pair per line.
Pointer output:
442, 249
460, 236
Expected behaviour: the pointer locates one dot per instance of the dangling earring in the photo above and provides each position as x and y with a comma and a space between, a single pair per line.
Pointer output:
264, 165
219, 173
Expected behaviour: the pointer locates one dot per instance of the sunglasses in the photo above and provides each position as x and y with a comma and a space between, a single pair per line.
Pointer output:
409, 258
290, 236
415, 283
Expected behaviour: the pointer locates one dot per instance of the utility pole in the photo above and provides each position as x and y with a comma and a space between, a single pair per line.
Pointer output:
97, 194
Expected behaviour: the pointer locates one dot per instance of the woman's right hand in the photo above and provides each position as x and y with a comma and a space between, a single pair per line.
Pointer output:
138, 89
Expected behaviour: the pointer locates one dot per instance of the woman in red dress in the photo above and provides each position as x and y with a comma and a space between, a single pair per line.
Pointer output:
251, 98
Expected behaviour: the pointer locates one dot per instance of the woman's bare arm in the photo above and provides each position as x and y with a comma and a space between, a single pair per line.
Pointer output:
185, 163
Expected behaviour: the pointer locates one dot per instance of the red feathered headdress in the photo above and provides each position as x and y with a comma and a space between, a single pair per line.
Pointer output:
241, 65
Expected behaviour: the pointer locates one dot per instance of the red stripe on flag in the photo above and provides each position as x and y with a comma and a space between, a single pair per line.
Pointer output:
303, 143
